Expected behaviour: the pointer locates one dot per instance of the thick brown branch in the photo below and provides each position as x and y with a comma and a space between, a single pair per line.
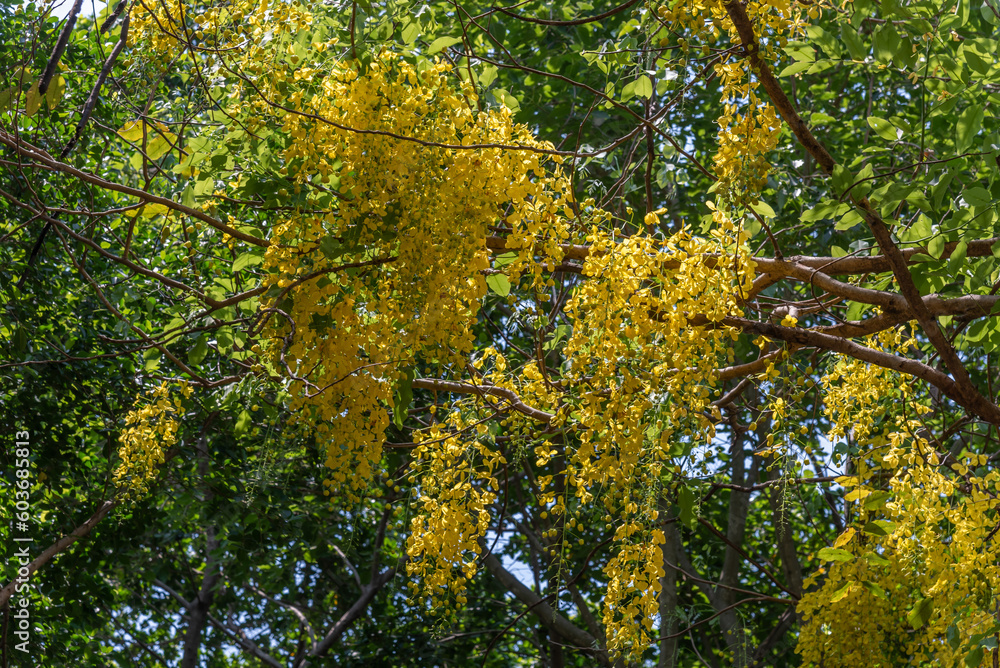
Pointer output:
484, 390
967, 394
548, 617
57, 547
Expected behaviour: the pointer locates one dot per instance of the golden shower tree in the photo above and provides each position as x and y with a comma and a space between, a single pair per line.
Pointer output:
687, 309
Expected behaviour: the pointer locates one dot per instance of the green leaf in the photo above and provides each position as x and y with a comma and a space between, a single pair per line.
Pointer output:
203, 186
54, 93
958, 256
152, 359
968, 126
505, 259
975, 62
974, 658
403, 397
20, 339
506, 99
986, 9
849, 220
643, 87
884, 128
825, 210
34, 101
921, 613
855, 46
977, 196
247, 259
935, 247
243, 422
224, 339
876, 500
874, 589
835, 554
842, 179
875, 559
410, 32
886, 43
442, 43
764, 209
795, 68
842, 592
499, 284
855, 310
487, 75
685, 500
198, 352
880, 528
837, 251
954, 637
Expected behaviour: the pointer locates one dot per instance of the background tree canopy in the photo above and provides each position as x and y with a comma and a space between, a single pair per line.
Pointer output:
450, 334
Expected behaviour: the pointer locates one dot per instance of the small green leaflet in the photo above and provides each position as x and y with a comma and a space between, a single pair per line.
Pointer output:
884, 128
403, 397
242, 423
685, 499
643, 87
152, 359
935, 247
976, 62
224, 339
499, 284
764, 209
874, 589
921, 613
795, 68
875, 559
197, 354
855, 46
969, 124
487, 75
34, 101
442, 43
850, 219
248, 259
410, 32
842, 592
504, 260
506, 99
977, 196
55, 91
835, 554
880, 528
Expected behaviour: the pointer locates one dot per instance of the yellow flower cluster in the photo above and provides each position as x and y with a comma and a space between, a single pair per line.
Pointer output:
166, 26
857, 394
457, 486
393, 270
914, 577
634, 582
918, 586
150, 430
749, 126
